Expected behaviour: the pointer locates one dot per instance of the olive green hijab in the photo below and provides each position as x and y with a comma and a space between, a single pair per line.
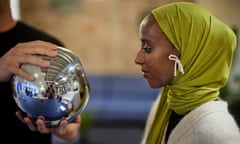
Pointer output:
206, 46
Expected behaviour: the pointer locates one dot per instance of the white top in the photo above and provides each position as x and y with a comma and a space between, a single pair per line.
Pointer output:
211, 123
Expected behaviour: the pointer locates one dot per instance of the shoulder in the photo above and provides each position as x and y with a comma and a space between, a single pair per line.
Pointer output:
213, 117
209, 123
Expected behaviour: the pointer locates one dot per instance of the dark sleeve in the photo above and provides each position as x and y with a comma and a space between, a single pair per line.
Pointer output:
31, 33
24, 33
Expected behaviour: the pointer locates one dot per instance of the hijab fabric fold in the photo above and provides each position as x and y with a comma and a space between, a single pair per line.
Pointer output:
206, 46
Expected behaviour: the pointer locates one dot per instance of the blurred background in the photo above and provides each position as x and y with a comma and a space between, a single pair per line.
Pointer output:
104, 34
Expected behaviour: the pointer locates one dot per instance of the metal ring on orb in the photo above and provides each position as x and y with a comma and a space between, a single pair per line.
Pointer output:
58, 92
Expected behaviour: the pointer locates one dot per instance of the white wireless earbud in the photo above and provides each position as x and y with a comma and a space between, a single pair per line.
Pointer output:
177, 64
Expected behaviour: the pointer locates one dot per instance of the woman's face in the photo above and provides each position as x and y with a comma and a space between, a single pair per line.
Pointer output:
154, 52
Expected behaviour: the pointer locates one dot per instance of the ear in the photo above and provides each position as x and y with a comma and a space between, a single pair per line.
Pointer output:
176, 52
177, 64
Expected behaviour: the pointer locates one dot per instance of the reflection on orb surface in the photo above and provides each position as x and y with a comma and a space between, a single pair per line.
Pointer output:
58, 92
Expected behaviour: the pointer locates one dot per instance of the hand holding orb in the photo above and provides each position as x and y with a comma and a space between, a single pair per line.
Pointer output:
60, 91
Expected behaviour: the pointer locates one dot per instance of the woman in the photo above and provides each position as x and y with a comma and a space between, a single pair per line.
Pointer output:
187, 51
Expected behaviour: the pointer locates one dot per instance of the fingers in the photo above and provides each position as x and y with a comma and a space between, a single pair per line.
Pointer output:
59, 130
62, 127
27, 120
18, 71
20, 116
37, 47
41, 126
26, 52
38, 126
77, 119
29, 53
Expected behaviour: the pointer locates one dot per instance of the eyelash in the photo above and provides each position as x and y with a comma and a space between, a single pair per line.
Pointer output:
146, 48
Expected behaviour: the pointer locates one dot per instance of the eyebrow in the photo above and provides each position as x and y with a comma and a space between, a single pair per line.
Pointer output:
145, 40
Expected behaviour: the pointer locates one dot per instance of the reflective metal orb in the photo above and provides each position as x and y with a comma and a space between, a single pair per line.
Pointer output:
58, 92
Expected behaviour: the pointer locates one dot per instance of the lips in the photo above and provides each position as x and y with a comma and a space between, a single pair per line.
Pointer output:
145, 73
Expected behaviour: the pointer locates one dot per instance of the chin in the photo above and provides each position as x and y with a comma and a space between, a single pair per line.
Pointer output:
153, 85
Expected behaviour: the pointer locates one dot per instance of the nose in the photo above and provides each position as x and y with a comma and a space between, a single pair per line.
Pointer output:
139, 58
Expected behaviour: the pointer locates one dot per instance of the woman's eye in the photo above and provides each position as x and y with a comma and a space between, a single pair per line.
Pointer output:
147, 50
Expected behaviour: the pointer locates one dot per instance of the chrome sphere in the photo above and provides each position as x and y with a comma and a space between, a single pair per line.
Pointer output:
58, 92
